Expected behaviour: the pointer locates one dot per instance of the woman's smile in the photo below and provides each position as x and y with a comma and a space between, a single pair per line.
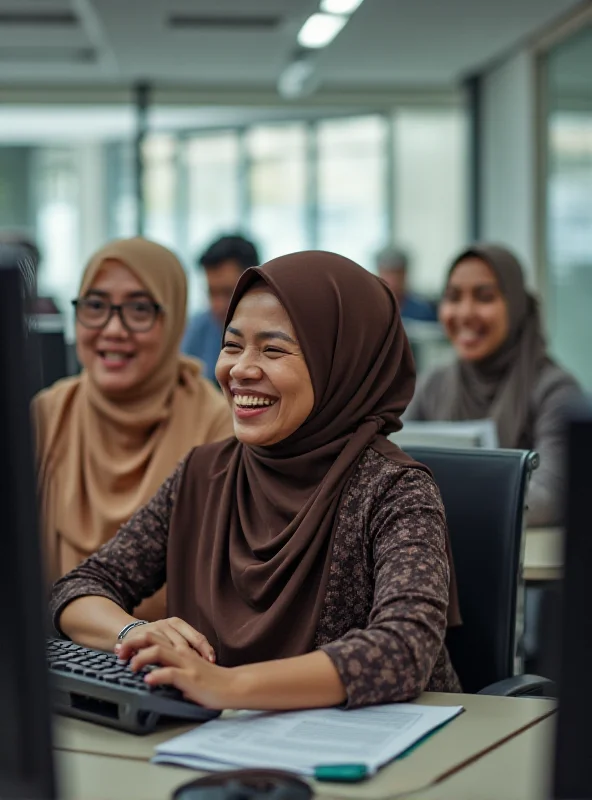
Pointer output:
248, 403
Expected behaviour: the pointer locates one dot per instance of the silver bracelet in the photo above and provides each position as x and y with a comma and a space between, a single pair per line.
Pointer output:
124, 631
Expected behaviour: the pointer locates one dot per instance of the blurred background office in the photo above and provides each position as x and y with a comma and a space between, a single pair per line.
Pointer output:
415, 125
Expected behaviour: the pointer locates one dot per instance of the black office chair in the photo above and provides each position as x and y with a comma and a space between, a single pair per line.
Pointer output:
484, 497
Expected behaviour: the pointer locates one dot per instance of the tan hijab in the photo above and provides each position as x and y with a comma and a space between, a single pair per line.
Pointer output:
251, 538
101, 458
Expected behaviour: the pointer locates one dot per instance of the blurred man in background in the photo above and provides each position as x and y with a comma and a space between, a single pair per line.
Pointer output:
393, 268
224, 261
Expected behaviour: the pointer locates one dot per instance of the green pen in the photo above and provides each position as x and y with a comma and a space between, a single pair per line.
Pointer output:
344, 773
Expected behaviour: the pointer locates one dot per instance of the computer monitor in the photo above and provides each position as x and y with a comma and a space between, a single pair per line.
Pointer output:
12, 255
573, 761
25, 747
460, 434
48, 329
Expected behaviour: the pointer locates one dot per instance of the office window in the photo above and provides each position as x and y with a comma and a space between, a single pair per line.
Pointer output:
429, 218
56, 191
352, 187
342, 184
160, 187
211, 191
569, 204
212, 163
277, 188
121, 202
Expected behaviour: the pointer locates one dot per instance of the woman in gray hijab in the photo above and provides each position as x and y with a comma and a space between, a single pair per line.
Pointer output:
503, 370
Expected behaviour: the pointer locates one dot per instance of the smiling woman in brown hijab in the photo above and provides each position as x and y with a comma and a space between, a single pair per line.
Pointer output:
307, 556
109, 437
503, 371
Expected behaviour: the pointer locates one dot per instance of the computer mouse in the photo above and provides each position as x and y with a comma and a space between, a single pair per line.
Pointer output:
246, 784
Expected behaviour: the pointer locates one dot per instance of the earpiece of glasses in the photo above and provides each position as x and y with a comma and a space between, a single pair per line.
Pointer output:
138, 316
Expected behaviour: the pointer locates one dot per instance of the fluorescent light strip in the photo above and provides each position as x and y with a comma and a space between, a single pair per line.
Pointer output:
340, 6
320, 29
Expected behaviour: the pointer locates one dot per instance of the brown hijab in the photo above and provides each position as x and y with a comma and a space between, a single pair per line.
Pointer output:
251, 538
501, 386
101, 458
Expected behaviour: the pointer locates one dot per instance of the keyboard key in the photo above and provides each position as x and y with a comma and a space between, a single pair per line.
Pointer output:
131, 684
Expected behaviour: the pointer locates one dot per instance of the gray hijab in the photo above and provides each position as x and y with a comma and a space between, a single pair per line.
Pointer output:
501, 386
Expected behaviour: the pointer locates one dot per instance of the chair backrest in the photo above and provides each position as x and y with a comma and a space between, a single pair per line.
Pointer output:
484, 496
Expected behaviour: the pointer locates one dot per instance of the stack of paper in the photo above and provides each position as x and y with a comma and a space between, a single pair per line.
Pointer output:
303, 741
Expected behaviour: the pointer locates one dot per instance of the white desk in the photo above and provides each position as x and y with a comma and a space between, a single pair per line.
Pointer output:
95, 763
543, 554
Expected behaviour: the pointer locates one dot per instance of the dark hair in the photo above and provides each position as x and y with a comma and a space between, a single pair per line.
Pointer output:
230, 248
392, 259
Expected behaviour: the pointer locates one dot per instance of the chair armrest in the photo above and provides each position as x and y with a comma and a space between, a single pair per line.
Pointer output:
522, 686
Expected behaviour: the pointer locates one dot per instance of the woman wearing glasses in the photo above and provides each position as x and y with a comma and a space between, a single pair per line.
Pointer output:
108, 438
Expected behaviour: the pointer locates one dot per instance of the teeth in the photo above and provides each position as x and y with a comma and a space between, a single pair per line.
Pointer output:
114, 357
249, 401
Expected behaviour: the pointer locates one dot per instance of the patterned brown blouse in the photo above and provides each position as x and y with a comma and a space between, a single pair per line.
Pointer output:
384, 617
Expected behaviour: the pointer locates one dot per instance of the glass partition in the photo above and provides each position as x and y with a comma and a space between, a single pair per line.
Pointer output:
430, 177
569, 203
277, 188
160, 188
352, 187
351, 184
211, 199
57, 196
121, 205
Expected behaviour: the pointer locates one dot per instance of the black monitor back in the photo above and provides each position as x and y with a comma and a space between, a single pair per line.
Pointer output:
48, 330
25, 747
573, 749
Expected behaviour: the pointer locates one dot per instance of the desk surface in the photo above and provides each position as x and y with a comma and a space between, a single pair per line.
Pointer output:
543, 554
516, 770
96, 763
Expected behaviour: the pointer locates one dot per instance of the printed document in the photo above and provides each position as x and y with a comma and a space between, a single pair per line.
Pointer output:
301, 741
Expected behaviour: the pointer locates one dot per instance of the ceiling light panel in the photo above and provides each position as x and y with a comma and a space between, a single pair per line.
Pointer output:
340, 6
320, 29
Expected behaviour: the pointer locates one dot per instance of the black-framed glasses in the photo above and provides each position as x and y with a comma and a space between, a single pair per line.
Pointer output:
137, 316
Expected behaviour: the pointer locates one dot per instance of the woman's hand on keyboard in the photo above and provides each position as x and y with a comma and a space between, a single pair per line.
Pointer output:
204, 683
172, 631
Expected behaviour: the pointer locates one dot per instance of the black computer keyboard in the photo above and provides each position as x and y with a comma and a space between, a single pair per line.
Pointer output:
96, 686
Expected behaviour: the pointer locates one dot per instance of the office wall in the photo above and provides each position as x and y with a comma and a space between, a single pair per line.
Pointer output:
508, 161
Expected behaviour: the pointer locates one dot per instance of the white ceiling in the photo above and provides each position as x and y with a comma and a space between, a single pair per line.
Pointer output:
245, 44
